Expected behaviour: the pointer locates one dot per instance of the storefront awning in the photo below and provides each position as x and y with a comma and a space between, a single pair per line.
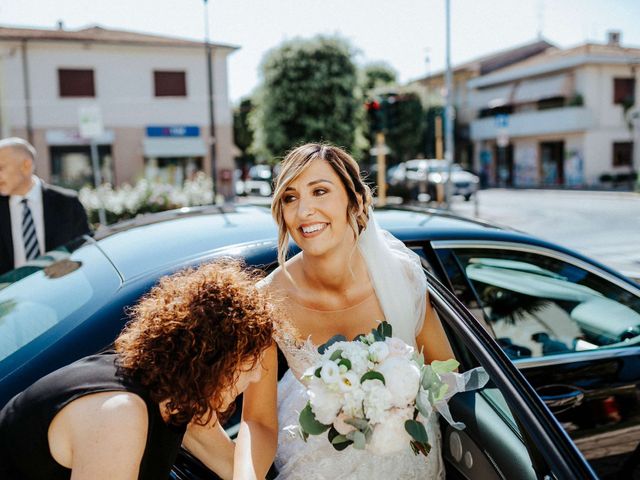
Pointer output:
174, 147
535, 89
492, 97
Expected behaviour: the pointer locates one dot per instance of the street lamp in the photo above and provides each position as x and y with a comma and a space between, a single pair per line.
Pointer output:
212, 128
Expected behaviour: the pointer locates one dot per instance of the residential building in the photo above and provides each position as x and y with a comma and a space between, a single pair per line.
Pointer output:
432, 88
150, 92
565, 117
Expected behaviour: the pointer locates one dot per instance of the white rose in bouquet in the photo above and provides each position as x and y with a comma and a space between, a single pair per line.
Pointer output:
378, 351
352, 403
402, 378
330, 372
391, 435
325, 403
397, 348
377, 401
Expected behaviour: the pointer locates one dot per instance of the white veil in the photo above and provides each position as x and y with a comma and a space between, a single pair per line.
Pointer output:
401, 287
398, 280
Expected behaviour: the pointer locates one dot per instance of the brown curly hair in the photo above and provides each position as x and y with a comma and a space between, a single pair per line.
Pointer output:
191, 335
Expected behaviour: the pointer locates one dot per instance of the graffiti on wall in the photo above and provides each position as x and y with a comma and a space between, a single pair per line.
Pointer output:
573, 168
486, 159
526, 166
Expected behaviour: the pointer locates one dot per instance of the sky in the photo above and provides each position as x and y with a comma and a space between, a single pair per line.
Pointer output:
401, 33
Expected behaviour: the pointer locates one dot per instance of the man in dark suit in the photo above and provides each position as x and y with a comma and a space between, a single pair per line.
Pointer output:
34, 217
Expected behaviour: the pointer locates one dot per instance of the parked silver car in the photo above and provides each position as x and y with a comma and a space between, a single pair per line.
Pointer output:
412, 179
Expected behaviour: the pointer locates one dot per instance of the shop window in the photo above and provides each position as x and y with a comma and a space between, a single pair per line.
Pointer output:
71, 166
624, 91
170, 84
622, 154
172, 170
76, 83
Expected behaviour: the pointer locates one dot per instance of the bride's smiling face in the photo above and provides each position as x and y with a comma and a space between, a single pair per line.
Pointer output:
314, 207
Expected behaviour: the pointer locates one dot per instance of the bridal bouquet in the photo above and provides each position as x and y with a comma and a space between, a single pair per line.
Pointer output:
376, 393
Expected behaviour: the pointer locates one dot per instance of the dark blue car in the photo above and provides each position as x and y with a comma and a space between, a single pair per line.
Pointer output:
522, 308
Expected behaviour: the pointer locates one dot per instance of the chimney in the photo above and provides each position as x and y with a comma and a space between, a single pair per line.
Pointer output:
60, 24
613, 38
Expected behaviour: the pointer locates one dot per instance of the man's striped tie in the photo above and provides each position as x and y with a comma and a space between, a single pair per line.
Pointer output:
31, 247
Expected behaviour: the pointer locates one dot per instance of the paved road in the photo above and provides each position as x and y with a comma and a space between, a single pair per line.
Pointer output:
601, 225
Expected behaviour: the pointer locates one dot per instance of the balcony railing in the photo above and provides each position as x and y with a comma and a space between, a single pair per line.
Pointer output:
542, 122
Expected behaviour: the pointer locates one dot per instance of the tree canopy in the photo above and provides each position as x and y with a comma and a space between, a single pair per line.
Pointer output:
377, 75
308, 94
242, 129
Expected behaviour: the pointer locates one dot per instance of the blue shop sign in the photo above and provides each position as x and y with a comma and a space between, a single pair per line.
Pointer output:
173, 131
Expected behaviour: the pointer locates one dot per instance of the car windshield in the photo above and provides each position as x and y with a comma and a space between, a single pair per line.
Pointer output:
36, 300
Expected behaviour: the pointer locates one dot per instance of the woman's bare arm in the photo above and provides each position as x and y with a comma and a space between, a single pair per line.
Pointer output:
258, 435
432, 338
212, 446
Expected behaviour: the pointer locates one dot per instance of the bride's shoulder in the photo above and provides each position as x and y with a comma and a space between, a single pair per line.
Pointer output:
279, 280
274, 282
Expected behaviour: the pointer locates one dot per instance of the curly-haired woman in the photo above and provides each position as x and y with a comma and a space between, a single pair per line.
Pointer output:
195, 342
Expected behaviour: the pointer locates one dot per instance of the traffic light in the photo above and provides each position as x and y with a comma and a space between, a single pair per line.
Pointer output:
383, 112
391, 105
374, 115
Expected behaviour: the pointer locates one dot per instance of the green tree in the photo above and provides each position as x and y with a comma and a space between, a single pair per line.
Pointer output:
375, 75
406, 126
308, 94
243, 130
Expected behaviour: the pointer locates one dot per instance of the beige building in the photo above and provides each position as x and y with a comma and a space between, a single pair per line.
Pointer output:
565, 117
432, 89
150, 92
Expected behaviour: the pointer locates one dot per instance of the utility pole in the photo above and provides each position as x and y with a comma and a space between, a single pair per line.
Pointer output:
382, 169
212, 125
448, 113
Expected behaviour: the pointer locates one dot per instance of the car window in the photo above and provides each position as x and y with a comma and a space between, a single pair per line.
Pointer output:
537, 305
508, 431
35, 299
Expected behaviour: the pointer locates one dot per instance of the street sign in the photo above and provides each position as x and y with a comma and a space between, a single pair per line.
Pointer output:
173, 131
502, 120
90, 121
502, 137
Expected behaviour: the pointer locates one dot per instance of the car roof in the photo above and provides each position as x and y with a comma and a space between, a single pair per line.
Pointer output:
155, 241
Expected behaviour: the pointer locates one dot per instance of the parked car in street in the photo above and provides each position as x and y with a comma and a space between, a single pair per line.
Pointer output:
522, 308
259, 181
412, 179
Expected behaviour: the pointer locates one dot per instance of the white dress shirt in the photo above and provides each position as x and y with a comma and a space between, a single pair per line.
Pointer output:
34, 200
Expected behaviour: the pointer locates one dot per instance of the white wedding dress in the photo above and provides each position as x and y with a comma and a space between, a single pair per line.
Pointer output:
400, 287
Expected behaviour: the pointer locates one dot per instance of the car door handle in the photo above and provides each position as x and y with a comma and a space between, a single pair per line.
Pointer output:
560, 397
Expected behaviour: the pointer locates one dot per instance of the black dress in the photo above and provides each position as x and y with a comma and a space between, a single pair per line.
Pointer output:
25, 420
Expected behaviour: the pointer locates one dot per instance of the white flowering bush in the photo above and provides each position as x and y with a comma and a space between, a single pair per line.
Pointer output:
145, 197
375, 393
